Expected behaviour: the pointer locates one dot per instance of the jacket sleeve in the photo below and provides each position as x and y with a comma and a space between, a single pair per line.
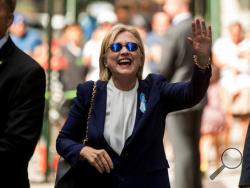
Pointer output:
181, 95
69, 141
245, 171
23, 126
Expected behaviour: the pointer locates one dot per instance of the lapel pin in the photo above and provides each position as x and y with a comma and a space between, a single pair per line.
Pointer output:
142, 102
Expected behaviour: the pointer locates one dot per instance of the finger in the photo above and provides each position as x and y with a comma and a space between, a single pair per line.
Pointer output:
190, 40
108, 159
105, 164
198, 27
100, 165
209, 32
203, 27
94, 162
193, 28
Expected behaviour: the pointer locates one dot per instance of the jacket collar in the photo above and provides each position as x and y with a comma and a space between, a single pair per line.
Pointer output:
3, 40
6, 50
151, 100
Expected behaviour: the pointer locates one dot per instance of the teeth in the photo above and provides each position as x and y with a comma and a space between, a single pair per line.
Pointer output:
124, 61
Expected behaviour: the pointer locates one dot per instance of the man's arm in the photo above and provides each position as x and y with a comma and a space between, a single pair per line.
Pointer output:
245, 172
25, 116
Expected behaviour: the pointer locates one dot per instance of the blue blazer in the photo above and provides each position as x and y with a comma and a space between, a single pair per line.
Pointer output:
142, 162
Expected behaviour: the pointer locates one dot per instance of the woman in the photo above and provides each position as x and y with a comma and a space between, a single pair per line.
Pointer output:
126, 128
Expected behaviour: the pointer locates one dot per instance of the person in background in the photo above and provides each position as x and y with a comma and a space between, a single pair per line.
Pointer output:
123, 12
24, 37
22, 90
183, 127
91, 49
213, 123
159, 24
73, 73
125, 130
140, 23
231, 55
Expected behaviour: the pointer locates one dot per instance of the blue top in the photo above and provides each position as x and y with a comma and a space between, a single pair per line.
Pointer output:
28, 42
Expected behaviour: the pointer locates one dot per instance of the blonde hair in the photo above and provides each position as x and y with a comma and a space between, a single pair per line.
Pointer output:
110, 37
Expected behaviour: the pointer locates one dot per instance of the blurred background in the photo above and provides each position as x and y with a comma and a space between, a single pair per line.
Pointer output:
64, 37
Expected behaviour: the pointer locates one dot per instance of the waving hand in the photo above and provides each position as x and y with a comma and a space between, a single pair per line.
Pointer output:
201, 42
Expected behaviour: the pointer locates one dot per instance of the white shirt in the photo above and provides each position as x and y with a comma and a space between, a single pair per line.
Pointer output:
3, 40
228, 53
120, 115
92, 49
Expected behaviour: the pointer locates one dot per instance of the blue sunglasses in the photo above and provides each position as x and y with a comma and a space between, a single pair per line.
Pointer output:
131, 46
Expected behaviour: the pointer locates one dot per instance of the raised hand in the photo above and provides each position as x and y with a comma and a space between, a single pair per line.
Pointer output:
201, 41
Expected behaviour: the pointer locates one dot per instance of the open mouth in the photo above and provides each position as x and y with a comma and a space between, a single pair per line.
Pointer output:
125, 61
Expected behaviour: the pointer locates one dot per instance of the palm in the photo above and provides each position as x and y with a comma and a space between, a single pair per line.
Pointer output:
202, 38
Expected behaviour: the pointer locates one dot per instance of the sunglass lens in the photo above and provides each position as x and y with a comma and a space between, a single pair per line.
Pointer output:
131, 46
116, 47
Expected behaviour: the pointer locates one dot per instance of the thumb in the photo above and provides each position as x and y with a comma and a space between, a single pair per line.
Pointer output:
190, 40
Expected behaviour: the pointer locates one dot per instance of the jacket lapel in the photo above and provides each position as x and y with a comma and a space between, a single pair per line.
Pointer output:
99, 109
5, 51
151, 98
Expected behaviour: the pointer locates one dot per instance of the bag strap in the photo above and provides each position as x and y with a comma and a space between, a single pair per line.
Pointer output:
85, 140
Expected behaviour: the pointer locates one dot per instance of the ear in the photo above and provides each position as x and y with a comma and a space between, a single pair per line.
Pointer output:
10, 19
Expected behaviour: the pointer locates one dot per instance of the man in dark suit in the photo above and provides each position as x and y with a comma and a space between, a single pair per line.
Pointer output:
22, 87
245, 172
176, 65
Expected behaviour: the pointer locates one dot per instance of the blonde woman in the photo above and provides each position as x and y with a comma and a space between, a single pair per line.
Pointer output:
127, 123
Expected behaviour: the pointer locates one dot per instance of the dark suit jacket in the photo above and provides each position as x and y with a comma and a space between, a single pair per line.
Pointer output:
142, 162
176, 61
245, 172
22, 87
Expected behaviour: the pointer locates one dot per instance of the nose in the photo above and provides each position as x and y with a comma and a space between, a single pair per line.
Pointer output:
124, 50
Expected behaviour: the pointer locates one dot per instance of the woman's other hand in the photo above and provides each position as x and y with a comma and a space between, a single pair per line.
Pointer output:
97, 158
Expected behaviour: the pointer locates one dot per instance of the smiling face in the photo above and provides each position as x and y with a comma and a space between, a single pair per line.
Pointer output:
125, 59
124, 62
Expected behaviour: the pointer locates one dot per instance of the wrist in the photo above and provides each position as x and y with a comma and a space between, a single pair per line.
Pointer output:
82, 154
201, 62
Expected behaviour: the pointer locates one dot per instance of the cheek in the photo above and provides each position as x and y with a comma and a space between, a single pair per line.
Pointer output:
140, 59
110, 59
